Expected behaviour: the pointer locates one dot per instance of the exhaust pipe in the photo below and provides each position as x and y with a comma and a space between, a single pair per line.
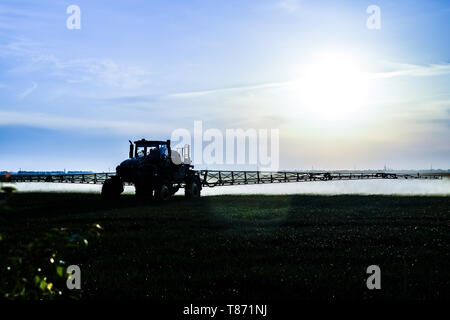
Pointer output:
131, 154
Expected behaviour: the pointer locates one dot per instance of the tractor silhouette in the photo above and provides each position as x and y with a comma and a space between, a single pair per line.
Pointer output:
156, 171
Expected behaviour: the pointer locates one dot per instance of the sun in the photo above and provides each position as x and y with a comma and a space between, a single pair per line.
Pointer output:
332, 86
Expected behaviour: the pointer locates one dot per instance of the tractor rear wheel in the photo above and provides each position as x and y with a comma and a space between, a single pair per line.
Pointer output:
112, 188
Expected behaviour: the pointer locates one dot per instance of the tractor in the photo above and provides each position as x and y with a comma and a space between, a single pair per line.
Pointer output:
156, 171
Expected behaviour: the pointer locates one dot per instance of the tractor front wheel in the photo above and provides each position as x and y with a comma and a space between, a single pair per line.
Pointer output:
112, 188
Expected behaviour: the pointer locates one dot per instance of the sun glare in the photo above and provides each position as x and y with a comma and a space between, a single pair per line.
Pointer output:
332, 86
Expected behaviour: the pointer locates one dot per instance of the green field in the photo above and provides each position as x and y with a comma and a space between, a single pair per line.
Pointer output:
225, 247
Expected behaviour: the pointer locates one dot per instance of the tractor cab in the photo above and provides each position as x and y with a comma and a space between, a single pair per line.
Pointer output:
152, 149
159, 150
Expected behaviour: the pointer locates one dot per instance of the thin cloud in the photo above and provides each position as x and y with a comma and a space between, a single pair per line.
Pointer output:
14, 12
47, 121
412, 70
28, 91
396, 70
107, 72
194, 94
14, 19
290, 6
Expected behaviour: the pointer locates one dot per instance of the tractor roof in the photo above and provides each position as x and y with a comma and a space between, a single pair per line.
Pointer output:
150, 143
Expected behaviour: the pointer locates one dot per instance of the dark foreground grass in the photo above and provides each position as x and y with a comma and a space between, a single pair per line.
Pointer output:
226, 247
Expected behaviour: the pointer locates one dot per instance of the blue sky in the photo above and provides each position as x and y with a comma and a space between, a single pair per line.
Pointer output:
72, 98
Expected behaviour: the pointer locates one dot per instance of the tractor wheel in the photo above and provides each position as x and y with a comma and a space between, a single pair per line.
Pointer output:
143, 191
192, 190
112, 188
163, 192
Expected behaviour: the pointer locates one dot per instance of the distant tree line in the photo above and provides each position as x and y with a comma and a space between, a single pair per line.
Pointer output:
45, 172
